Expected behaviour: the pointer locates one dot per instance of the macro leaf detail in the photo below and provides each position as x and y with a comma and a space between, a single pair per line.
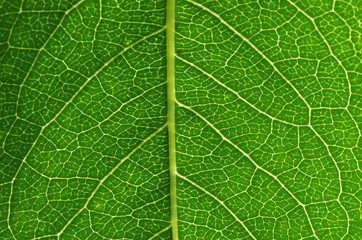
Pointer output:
187, 119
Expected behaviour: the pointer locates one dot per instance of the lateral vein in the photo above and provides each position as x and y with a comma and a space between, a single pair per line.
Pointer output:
252, 161
218, 200
109, 174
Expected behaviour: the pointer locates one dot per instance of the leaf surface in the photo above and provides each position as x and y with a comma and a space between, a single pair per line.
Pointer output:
198, 119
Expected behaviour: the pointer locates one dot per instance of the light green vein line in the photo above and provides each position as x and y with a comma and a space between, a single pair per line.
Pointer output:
42, 48
18, 97
252, 161
65, 106
108, 175
218, 200
170, 45
252, 45
160, 232
237, 94
329, 48
334, 56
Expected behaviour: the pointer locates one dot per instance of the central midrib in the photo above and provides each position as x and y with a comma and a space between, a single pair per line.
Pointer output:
171, 93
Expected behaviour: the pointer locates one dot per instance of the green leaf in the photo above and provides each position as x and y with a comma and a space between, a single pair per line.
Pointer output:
187, 119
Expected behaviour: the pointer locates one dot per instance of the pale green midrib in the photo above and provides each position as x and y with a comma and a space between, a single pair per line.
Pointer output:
170, 48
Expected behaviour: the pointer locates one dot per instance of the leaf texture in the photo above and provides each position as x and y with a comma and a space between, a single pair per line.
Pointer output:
244, 124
